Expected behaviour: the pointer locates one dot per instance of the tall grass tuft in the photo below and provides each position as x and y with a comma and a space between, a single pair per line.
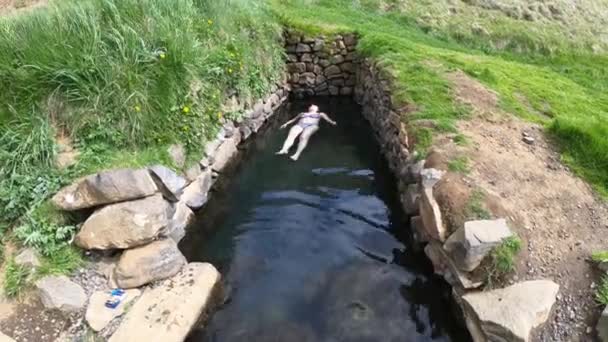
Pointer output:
122, 79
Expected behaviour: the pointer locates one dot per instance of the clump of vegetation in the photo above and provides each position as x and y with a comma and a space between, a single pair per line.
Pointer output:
15, 278
475, 209
461, 140
601, 256
460, 164
62, 261
502, 259
601, 294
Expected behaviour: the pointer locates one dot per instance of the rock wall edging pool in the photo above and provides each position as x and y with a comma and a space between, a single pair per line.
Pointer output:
315, 64
138, 217
321, 66
162, 202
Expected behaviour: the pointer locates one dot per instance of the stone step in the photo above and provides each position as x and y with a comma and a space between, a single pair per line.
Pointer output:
169, 311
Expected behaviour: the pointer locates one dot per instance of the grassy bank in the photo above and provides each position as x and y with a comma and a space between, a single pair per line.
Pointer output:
549, 81
120, 80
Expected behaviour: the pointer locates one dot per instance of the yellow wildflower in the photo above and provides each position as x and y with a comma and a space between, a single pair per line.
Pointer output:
186, 109
137, 108
230, 70
210, 22
162, 56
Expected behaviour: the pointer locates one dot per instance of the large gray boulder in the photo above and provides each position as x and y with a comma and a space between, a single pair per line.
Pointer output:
196, 194
98, 315
59, 292
510, 314
125, 225
430, 177
168, 311
181, 219
225, 152
445, 267
170, 183
142, 265
469, 245
104, 188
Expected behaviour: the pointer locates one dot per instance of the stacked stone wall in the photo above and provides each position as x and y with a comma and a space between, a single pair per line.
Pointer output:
321, 66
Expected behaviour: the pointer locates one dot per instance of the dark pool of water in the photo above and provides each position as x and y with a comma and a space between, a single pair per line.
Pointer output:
317, 250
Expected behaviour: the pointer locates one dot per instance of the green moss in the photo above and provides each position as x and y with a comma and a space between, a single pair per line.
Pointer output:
460, 164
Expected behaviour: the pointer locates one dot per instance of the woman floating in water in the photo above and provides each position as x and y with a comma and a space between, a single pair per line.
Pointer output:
308, 124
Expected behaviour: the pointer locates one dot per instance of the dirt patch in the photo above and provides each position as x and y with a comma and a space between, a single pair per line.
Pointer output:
12, 6
558, 216
474, 94
31, 322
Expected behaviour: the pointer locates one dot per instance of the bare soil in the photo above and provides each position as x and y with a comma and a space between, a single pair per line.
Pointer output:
558, 216
31, 322
11, 6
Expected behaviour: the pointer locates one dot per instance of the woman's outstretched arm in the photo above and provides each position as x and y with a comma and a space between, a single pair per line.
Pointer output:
291, 121
328, 119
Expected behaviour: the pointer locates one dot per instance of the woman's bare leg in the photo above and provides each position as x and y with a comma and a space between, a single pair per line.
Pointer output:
306, 134
291, 138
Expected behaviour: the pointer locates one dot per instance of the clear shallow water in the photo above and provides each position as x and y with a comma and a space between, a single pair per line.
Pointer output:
317, 250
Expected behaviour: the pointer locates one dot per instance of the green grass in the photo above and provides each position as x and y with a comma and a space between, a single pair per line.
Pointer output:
503, 259
540, 77
601, 256
461, 140
601, 294
460, 165
15, 279
123, 80
63, 261
475, 208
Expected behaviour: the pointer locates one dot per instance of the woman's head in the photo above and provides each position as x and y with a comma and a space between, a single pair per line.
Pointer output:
313, 109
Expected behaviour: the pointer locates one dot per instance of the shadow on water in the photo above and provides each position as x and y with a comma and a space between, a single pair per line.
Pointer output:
318, 250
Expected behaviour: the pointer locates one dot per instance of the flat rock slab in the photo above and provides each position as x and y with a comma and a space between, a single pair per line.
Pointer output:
125, 225
169, 311
105, 188
509, 314
142, 265
59, 292
98, 315
4, 338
